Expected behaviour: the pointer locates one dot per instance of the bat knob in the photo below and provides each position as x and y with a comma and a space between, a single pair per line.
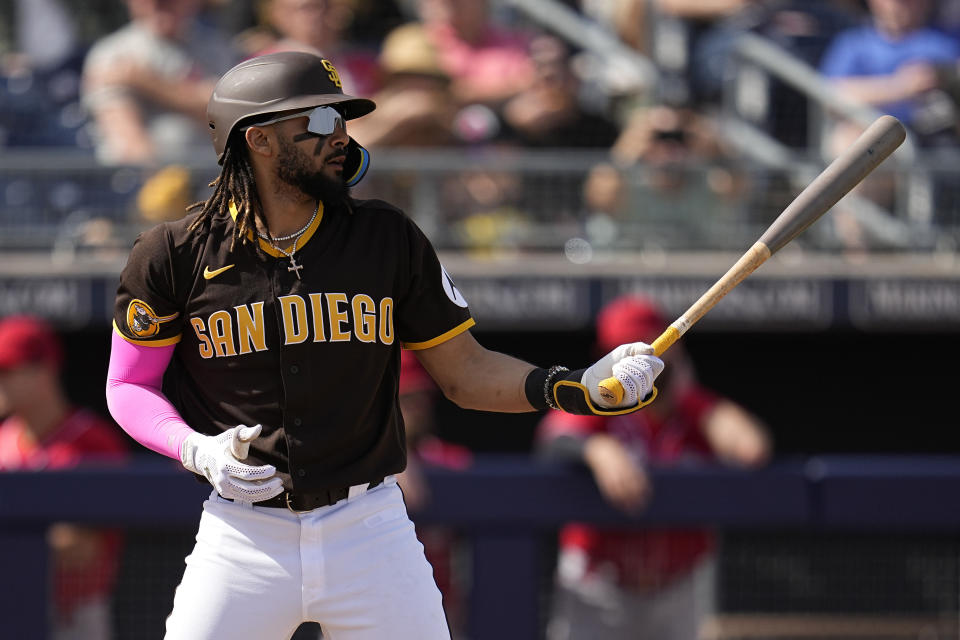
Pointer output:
611, 390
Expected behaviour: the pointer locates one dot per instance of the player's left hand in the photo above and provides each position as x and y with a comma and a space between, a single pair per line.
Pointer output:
218, 459
634, 365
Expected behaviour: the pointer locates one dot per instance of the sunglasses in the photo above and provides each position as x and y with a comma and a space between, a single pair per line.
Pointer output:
323, 120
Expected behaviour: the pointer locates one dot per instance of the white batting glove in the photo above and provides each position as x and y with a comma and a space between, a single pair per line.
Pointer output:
633, 364
217, 458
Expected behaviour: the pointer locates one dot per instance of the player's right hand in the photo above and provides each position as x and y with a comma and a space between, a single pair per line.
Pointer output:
633, 365
217, 458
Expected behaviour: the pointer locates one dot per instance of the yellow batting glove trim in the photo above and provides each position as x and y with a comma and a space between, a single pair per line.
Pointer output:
596, 410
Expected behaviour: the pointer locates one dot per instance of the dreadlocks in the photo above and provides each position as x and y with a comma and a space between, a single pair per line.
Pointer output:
234, 184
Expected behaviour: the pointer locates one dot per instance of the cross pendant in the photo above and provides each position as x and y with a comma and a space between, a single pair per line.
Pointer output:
295, 267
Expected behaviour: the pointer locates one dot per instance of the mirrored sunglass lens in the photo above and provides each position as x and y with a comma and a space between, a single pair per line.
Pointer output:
323, 121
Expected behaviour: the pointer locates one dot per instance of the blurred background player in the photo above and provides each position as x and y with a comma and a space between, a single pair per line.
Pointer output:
41, 430
635, 583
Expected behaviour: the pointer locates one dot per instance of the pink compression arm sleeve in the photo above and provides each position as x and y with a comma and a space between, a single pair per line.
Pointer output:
135, 400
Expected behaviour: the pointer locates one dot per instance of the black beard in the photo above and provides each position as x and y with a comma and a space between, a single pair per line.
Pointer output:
294, 168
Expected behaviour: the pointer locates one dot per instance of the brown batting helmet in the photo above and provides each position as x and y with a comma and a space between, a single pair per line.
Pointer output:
273, 83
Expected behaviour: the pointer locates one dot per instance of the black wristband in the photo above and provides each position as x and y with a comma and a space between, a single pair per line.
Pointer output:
533, 388
538, 386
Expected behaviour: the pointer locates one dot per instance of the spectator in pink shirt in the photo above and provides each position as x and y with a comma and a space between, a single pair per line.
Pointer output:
488, 63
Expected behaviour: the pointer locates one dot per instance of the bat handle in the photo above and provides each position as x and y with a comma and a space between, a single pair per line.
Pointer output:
665, 340
610, 388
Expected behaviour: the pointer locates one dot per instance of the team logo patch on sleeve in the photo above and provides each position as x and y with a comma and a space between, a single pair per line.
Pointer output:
143, 321
451, 289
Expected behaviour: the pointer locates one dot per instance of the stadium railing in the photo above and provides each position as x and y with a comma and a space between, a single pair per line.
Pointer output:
532, 201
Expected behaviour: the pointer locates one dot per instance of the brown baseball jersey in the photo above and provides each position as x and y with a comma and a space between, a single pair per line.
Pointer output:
314, 360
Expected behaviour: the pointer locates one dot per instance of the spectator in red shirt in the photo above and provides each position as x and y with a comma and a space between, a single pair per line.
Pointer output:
634, 583
43, 430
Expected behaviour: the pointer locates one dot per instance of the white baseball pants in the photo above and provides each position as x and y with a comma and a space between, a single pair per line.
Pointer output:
355, 567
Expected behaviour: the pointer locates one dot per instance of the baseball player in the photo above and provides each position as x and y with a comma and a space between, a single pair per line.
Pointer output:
278, 308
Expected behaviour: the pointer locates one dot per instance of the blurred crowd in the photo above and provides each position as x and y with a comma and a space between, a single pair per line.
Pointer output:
127, 81
131, 84
130, 78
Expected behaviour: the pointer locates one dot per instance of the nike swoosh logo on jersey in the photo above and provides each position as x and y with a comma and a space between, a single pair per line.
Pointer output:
207, 274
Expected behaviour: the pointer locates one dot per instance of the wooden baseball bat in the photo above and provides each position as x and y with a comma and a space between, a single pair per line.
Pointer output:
872, 147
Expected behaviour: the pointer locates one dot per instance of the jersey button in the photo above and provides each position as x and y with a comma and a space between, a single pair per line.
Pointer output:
294, 369
297, 422
301, 473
